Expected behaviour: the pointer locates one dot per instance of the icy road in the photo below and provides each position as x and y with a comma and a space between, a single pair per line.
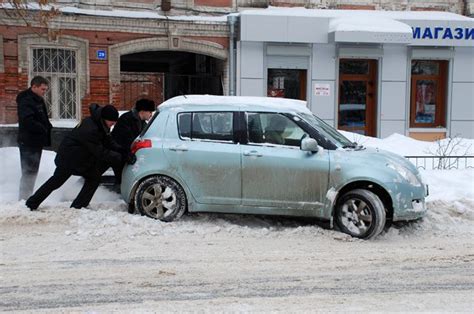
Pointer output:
106, 260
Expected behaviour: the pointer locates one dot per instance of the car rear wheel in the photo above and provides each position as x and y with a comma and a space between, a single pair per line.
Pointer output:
360, 213
161, 198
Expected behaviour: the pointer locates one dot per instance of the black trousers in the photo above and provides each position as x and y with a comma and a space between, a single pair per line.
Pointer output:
118, 169
59, 177
30, 158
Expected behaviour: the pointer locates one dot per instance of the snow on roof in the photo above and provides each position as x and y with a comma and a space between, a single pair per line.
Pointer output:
275, 11
374, 24
365, 14
211, 100
142, 14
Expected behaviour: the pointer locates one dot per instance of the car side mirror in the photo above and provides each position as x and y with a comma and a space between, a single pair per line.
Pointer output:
309, 145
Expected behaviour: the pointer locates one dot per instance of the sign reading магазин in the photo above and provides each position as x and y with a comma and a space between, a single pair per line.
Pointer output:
433, 32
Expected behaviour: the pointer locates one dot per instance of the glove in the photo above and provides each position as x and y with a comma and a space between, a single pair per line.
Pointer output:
131, 159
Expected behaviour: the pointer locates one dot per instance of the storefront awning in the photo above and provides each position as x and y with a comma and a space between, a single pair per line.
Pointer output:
309, 26
368, 30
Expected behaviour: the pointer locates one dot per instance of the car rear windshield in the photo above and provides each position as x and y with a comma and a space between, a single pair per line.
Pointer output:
157, 112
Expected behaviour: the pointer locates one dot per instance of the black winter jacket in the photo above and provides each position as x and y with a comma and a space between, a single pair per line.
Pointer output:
34, 128
89, 147
128, 127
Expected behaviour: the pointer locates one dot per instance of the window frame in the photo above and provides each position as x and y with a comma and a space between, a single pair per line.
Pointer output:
370, 80
235, 132
55, 110
441, 80
302, 75
266, 144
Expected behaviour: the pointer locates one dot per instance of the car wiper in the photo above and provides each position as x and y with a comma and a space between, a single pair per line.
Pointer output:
351, 145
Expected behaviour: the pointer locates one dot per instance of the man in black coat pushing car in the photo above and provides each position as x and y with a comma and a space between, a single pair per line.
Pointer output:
87, 151
128, 127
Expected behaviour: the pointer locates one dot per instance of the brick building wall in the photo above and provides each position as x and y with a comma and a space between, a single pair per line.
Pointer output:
15, 78
103, 33
465, 7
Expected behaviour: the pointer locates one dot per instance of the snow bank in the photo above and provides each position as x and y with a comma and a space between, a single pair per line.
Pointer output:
407, 146
11, 172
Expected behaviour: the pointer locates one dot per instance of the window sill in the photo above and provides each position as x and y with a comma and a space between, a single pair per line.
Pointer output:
427, 130
66, 123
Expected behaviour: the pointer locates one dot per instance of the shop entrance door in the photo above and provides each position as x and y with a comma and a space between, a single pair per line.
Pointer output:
357, 96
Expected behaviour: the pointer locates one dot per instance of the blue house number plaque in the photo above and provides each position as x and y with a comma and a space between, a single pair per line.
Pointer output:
101, 54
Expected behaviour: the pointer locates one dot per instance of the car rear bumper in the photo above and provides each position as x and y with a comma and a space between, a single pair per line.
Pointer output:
127, 183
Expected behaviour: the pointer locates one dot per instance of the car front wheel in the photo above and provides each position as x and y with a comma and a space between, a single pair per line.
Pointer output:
360, 213
161, 198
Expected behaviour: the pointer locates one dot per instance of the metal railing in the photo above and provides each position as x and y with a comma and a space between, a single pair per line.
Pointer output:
442, 162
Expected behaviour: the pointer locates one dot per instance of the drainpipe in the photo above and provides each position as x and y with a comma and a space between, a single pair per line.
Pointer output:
468, 8
232, 19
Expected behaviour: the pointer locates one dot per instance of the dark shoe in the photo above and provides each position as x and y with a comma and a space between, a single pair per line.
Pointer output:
115, 188
131, 209
31, 206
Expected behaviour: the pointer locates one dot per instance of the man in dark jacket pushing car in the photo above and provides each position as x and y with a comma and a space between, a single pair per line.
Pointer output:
87, 151
129, 126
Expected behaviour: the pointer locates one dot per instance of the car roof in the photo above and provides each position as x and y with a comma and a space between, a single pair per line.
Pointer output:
233, 103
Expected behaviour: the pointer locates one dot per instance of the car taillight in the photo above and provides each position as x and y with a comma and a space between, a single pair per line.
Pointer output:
139, 145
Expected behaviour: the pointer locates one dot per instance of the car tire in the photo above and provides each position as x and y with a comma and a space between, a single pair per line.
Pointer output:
360, 213
160, 197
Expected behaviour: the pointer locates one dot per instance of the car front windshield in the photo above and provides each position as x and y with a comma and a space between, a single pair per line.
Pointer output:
327, 131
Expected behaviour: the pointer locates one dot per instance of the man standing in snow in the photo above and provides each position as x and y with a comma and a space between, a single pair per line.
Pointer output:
86, 151
129, 126
34, 132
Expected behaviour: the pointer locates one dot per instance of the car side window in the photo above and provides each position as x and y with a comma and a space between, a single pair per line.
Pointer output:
273, 128
214, 126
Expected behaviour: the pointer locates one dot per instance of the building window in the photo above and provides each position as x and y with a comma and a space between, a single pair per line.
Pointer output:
286, 83
58, 66
428, 93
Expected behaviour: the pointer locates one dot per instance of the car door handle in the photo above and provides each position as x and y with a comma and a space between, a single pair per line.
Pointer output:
253, 153
179, 148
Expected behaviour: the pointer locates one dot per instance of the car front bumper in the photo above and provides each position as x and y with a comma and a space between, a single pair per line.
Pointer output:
408, 201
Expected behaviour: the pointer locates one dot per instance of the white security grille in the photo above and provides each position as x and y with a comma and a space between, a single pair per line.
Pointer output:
58, 66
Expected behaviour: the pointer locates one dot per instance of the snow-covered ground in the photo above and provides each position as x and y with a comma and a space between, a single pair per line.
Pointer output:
104, 259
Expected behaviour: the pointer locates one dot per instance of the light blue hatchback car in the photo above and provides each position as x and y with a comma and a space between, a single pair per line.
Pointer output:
257, 155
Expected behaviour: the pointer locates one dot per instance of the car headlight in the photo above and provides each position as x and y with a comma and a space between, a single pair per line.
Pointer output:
405, 174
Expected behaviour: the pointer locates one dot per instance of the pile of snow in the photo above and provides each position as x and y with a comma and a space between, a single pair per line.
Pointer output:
450, 204
11, 172
407, 146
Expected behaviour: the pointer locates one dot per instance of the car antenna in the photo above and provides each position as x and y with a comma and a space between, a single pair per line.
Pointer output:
183, 94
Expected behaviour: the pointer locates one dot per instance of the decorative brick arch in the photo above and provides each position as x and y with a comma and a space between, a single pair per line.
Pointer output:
156, 44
